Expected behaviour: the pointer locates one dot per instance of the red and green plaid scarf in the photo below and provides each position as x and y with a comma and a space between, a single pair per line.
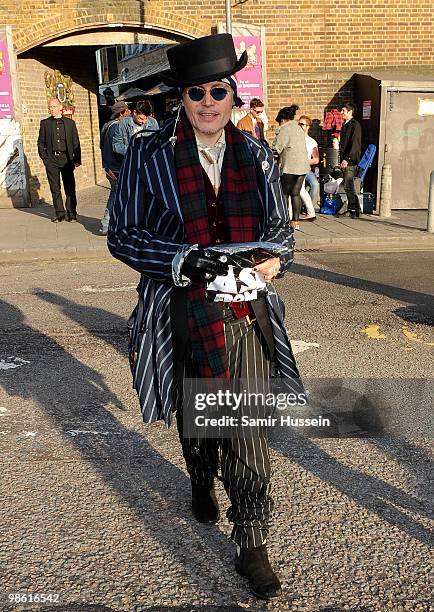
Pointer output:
243, 212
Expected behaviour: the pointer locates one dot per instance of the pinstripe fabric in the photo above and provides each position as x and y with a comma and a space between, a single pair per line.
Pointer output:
146, 232
244, 460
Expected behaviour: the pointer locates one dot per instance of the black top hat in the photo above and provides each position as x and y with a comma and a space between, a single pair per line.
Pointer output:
205, 59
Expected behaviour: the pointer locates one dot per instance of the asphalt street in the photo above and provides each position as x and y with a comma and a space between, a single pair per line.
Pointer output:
94, 505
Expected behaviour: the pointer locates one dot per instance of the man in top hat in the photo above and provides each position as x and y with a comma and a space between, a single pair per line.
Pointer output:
199, 182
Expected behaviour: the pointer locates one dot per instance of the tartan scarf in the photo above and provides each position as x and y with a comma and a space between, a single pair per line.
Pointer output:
243, 213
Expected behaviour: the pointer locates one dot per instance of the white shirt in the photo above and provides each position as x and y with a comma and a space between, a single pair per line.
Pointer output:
311, 144
211, 159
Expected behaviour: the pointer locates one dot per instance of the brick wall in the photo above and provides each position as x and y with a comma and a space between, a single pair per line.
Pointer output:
31, 69
313, 48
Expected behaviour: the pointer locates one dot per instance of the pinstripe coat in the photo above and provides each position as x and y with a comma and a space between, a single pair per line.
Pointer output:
146, 232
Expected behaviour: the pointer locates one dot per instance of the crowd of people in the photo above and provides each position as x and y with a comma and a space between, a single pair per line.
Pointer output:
115, 136
297, 155
295, 151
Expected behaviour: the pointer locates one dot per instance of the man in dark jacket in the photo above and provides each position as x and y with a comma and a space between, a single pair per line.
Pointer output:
195, 184
349, 151
59, 149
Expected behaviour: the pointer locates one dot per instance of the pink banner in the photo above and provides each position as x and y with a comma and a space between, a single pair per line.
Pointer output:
249, 78
6, 100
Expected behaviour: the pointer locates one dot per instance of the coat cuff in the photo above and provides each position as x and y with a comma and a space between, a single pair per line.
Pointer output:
179, 280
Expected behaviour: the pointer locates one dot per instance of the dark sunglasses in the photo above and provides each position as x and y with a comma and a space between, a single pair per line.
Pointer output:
302, 124
197, 93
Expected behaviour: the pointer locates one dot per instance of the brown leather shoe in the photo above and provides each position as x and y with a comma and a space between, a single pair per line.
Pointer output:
204, 504
253, 564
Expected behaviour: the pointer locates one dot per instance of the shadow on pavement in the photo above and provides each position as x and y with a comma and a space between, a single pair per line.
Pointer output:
101, 323
192, 608
417, 462
76, 397
424, 300
97, 608
69, 608
415, 314
387, 501
368, 491
412, 228
90, 224
46, 211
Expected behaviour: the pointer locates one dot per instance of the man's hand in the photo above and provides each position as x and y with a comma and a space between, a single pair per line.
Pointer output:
199, 267
269, 268
344, 164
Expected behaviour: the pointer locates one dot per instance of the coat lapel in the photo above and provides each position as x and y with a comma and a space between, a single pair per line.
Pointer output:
161, 175
263, 172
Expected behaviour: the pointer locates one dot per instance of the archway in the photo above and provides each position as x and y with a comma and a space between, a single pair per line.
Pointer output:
72, 53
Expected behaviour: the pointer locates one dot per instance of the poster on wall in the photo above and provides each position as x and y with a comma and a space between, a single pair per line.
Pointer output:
425, 107
367, 109
6, 100
249, 79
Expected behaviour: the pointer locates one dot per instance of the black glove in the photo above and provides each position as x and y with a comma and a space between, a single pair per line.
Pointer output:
198, 266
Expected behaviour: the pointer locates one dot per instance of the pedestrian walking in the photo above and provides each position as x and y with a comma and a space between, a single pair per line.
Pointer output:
310, 180
198, 183
350, 148
140, 119
59, 149
111, 161
290, 146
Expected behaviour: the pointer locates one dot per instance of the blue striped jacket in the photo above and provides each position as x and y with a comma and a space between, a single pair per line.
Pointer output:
146, 232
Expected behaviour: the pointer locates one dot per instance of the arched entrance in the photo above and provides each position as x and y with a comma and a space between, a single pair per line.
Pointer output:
72, 52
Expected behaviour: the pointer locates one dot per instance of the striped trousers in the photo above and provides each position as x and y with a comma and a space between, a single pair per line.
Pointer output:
244, 461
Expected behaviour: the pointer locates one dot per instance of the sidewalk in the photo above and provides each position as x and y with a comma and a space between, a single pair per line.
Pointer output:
27, 233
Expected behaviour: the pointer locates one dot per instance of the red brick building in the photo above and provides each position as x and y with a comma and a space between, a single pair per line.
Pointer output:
312, 51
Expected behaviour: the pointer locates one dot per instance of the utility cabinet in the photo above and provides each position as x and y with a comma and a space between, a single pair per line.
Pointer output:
396, 112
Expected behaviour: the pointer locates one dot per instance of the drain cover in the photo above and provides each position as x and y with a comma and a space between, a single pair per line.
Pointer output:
308, 250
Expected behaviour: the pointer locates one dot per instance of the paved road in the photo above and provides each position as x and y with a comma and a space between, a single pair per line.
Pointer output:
94, 506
